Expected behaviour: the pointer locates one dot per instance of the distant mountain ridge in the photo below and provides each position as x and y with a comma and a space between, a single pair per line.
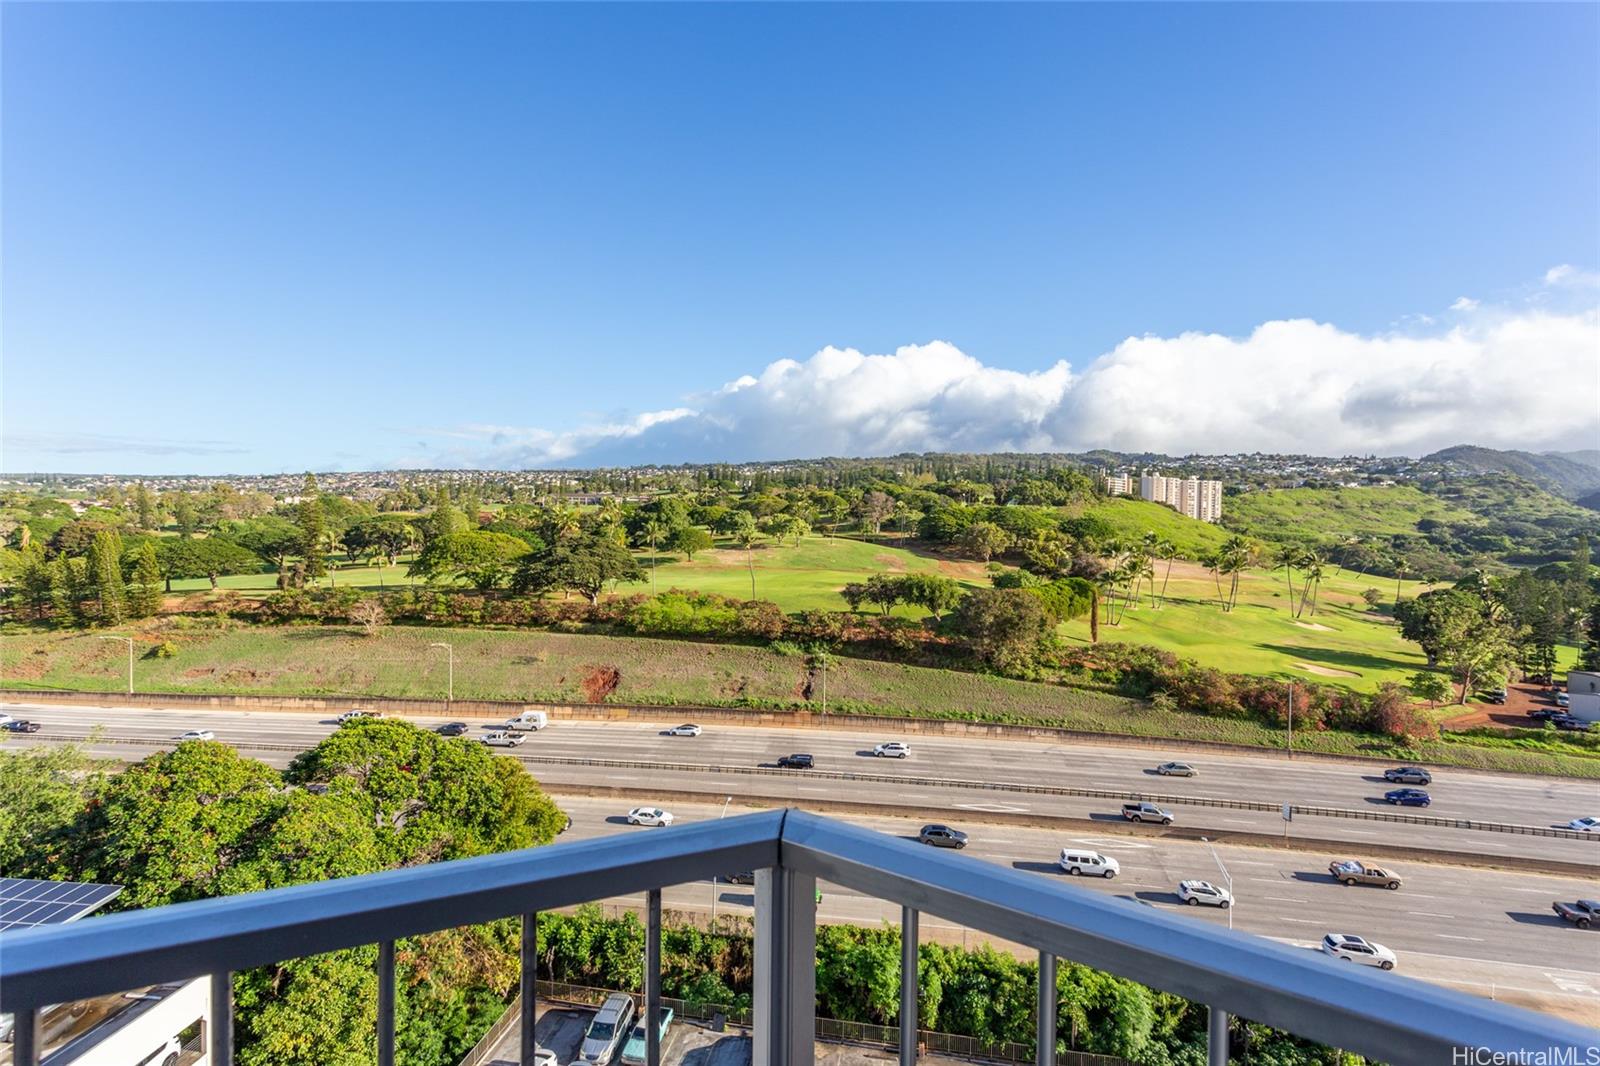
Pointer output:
1569, 474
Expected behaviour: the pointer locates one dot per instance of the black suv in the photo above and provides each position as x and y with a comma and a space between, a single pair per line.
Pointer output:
797, 762
453, 729
1409, 775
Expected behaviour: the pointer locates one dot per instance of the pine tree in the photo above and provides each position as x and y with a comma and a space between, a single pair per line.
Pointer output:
144, 598
1590, 658
312, 528
145, 504
105, 578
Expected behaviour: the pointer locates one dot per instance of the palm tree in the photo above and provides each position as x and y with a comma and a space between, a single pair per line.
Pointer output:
1168, 551
1287, 559
1401, 568
651, 532
746, 536
1311, 566
1213, 563
1237, 554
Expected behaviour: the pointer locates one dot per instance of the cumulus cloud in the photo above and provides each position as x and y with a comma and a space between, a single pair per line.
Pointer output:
1569, 276
1288, 386
1464, 303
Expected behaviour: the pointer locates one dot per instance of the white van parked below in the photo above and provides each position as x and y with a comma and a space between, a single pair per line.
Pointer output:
529, 720
1077, 861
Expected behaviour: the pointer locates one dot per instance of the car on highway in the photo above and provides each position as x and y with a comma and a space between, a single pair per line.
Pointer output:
1197, 893
502, 738
942, 836
1582, 913
606, 1030
797, 761
1077, 861
197, 734
1585, 825
1355, 872
1408, 775
1146, 812
1176, 769
22, 725
687, 729
649, 816
355, 715
6, 719
633, 1052
1407, 797
745, 877
452, 729
1355, 949
892, 749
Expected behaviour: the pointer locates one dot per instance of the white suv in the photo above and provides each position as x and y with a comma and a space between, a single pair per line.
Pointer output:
1354, 949
501, 738
1195, 893
1078, 861
892, 749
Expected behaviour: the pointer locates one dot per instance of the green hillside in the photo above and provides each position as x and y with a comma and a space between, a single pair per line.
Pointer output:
1131, 519
1328, 514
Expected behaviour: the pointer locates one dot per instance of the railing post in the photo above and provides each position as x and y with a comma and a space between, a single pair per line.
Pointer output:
25, 1047
529, 987
386, 1003
1216, 1037
222, 1019
786, 968
1044, 1051
652, 978
910, 986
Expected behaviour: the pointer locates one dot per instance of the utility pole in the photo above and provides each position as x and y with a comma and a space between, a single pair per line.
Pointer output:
824, 659
450, 683
1226, 877
720, 817
1290, 687
129, 642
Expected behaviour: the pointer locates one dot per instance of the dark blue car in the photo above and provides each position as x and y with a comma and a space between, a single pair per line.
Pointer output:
1408, 797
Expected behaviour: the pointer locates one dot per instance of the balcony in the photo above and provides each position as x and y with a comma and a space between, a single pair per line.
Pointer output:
1381, 1015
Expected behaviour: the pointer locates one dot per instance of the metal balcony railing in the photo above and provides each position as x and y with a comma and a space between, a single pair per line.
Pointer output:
1381, 1015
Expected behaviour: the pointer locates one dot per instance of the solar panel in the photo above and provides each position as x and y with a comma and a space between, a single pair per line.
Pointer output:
25, 902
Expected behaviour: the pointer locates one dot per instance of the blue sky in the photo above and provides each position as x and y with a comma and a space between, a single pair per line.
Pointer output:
271, 237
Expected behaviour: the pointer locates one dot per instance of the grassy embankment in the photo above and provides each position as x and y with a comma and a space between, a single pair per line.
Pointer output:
520, 665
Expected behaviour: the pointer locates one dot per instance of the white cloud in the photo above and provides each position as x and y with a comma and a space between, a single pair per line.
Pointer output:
1288, 386
1464, 303
1570, 276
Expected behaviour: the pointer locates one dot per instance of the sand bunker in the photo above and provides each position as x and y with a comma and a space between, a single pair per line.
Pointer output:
1324, 671
1318, 626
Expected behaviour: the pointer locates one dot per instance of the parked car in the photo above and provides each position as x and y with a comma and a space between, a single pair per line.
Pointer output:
649, 816
355, 714
1354, 949
1146, 812
633, 1053
606, 1030
1583, 913
747, 877
22, 725
543, 1056
942, 836
1563, 700
1175, 769
797, 761
1077, 861
502, 738
892, 749
1195, 893
197, 734
1543, 714
1495, 697
452, 729
1570, 724
1585, 825
1354, 872
1407, 797
688, 729
1408, 775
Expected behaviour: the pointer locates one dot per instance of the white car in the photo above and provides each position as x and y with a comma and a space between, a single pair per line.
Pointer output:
353, 715
892, 749
1354, 949
545, 1057
688, 729
1195, 893
6, 719
198, 734
501, 738
649, 816
1077, 861
1175, 769
1585, 825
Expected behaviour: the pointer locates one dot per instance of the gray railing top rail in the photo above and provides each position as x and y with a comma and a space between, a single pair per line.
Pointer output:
1385, 1016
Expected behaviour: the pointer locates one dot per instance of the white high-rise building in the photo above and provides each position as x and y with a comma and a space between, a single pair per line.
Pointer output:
1188, 496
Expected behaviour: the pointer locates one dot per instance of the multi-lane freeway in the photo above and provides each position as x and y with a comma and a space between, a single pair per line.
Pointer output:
956, 776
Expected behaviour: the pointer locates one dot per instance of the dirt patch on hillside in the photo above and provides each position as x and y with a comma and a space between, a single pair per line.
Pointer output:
600, 682
1318, 626
965, 570
1325, 671
200, 671
31, 668
892, 563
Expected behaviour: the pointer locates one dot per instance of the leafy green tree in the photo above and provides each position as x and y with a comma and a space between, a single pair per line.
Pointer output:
144, 504
105, 578
1427, 685
483, 560
184, 514
32, 579
144, 591
207, 557
585, 564
42, 792
1004, 627
985, 540
383, 536
313, 528
934, 593
1589, 658
271, 537
688, 540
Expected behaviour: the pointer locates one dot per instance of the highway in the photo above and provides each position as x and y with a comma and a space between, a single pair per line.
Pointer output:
724, 759
1482, 931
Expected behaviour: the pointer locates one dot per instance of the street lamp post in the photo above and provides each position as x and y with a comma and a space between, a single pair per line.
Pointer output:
1291, 719
450, 682
1226, 877
129, 642
720, 817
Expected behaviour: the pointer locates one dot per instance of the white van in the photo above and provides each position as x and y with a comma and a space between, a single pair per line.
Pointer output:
529, 720
1076, 861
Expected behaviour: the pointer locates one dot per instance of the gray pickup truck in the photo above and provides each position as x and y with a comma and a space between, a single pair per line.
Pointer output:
1352, 872
1146, 812
1583, 913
